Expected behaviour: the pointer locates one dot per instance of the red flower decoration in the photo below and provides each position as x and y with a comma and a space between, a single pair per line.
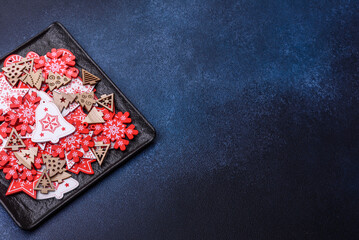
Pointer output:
75, 155
72, 72
39, 62
86, 143
54, 54
5, 130
69, 59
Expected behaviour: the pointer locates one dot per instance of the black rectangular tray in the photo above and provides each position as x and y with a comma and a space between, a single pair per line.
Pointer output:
28, 212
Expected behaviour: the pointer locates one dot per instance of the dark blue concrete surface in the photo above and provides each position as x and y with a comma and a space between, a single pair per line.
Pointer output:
255, 104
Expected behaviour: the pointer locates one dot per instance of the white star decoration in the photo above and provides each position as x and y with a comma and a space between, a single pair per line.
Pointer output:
7, 92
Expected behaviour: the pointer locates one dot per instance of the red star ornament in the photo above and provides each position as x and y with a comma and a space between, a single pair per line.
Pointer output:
19, 185
83, 166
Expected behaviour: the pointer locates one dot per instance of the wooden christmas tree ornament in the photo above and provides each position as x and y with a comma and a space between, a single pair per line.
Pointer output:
44, 183
26, 157
88, 78
86, 100
100, 150
13, 73
53, 164
106, 101
14, 142
33, 79
26, 79
94, 116
63, 100
60, 177
55, 80
28, 63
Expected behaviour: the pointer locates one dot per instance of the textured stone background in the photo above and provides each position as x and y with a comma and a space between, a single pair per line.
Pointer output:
255, 106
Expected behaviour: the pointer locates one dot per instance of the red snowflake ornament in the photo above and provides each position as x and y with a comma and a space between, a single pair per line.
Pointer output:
26, 113
124, 117
71, 142
38, 162
55, 66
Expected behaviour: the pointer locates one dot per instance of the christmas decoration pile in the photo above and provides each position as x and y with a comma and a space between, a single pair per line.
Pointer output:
52, 124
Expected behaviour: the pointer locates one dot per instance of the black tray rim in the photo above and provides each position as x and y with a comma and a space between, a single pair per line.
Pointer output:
35, 224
